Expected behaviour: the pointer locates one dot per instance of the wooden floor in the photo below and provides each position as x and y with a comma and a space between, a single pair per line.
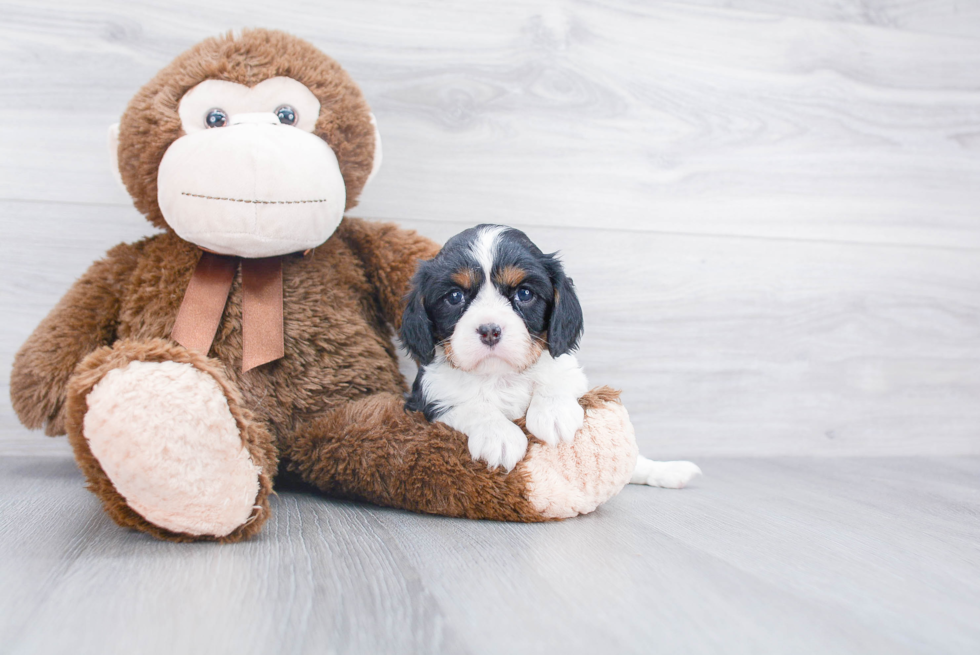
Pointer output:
780, 555
771, 209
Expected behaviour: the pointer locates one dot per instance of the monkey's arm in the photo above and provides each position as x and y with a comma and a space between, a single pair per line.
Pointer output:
83, 320
372, 450
390, 255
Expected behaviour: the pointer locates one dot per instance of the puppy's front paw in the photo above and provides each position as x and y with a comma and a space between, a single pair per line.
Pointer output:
669, 475
498, 443
554, 419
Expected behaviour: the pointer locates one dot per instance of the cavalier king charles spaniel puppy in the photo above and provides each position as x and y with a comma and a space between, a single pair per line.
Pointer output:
491, 322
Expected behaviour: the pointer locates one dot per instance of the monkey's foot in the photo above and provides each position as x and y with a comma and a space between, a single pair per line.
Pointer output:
574, 478
167, 441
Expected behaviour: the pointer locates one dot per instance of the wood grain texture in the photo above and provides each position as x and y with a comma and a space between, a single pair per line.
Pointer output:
742, 346
770, 211
843, 121
761, 556
721, 345
943, 18
770, 208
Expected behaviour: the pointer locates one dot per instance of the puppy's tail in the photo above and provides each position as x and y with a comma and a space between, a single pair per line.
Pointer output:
670, 475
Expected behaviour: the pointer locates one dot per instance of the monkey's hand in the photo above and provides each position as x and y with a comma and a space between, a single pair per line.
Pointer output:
84, 319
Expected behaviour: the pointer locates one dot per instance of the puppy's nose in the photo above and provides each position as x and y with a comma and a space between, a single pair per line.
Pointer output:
489, 333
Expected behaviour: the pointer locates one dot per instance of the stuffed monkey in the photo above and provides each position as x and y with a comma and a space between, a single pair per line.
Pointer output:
253, 334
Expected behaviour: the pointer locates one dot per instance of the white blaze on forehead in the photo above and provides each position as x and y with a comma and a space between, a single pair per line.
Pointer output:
484, 248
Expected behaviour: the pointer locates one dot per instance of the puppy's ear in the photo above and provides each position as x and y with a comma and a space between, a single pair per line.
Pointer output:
416, 330
566, 324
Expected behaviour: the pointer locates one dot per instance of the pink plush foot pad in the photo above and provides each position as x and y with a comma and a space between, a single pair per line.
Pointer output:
574, 478
164, 435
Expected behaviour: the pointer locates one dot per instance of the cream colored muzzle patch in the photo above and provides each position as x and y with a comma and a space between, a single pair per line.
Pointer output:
253, 189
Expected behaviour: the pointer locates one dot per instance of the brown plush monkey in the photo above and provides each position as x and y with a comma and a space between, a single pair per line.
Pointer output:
255, 331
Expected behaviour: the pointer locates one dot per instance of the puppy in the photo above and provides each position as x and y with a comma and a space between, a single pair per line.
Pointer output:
492, 322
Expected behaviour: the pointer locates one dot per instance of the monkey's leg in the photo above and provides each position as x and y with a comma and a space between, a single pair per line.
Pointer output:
163, 439
372, 450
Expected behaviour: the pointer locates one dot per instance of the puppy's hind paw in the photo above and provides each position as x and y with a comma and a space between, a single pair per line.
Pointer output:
669, 475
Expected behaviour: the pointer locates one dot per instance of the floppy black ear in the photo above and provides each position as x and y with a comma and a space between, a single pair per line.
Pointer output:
416, 330
566, 323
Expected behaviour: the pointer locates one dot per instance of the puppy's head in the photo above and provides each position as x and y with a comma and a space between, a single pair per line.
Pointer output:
491, 299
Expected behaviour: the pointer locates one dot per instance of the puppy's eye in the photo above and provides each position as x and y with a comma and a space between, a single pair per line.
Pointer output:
524, 295
287, 115
216, 118
454, 297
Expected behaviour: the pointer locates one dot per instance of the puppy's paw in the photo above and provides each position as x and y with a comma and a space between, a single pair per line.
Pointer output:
670, 475
498, 443
554, 419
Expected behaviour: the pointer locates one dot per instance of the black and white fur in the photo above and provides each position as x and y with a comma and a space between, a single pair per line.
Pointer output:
492, 322
494, 344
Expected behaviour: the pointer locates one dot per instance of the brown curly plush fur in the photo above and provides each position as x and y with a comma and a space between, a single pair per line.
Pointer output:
254, 436
411, 464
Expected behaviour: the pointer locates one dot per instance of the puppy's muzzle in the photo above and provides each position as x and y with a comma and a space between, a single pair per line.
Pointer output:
489, 334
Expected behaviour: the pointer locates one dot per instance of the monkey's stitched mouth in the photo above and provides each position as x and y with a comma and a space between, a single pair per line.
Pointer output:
254, 202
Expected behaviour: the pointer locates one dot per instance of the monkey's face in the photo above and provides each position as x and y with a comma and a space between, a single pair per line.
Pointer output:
249, 177
244, 159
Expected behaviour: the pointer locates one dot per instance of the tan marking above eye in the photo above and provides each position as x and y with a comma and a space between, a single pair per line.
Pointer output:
464, 277
510, 276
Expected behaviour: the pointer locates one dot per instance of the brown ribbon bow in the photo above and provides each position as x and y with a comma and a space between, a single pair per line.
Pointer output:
207, 293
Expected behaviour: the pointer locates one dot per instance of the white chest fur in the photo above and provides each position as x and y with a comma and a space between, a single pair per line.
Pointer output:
495, 384
483, 403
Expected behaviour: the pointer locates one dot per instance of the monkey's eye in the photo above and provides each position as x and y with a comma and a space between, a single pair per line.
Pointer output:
287, 115
216, 118
524, 295
454, 297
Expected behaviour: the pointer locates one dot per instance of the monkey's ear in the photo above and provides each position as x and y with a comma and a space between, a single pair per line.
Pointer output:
416, 331
566, 324
114, 153
376, 161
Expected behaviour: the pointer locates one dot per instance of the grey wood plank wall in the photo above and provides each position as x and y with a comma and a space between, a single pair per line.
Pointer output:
771, 208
